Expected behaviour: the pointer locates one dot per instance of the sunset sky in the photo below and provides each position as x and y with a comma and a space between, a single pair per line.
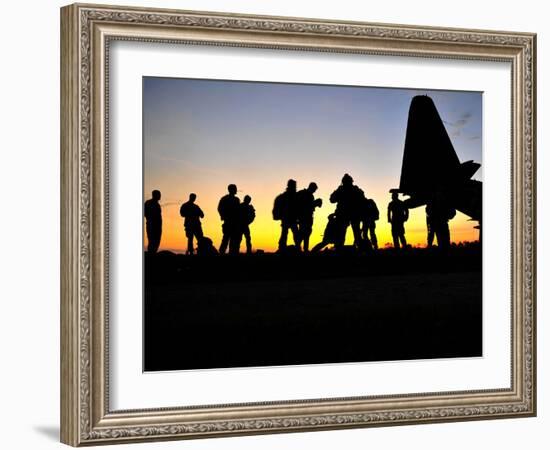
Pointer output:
201, 135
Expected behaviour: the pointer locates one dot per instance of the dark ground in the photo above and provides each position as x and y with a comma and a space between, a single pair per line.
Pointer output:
268, 309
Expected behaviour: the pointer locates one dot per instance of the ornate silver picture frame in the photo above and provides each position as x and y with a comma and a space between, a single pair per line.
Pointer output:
87, 34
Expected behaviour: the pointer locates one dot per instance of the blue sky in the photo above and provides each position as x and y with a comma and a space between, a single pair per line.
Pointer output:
200, 135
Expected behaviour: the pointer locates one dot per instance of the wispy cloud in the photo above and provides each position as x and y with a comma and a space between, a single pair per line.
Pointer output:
171, 203
457, 126
189, 166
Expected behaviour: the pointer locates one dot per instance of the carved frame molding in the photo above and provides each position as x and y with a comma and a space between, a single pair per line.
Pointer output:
86, 32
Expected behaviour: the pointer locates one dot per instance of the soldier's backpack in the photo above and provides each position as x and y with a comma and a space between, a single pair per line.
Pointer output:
372, 209
278, 206
250, 214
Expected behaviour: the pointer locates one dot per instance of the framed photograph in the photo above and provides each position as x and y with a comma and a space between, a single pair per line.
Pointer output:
274, 224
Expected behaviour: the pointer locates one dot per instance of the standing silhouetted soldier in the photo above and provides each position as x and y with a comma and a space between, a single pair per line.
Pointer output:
439, 213
247, 214
153, 222
285, 210
398, 214
228, 208
192, 224
349, 199
370, 216
334, 234
306, 204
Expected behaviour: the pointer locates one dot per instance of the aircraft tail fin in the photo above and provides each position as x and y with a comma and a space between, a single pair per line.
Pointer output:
429, 159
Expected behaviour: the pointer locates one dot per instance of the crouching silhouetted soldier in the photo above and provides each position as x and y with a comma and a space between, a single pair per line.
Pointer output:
192, 224
306, 204
228, 208
370, 216
153, 222
247, 214
285, 210
334, 234
398, 214
205, 247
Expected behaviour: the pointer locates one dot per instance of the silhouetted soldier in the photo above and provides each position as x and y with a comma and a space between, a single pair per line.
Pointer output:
205, 247
153, 222
348, 199
440, 212
285, 210
398, 214
247, 214
228, 208
192, 224
334, 234
306, 204
370, 216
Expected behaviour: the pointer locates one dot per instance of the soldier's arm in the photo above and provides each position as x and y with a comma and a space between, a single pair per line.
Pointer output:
389, 213
334, 196
406, 214
201, 214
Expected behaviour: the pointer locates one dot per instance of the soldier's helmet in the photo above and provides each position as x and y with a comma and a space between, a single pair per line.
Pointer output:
291, 185
347, 179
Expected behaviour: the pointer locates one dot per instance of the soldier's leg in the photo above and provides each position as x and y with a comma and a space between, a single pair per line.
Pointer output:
225, 239
235, 243
197, 234
402, 237
320, 246
224, 244
235, 238
189, 234
439, 235
150, 238
248, 239
305, 239
430, 234
355, 227
372, 232
364, 230
157, 232
340, 236
395, 236
284, 235
305, 233
295, 234
299, 235
445, 235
